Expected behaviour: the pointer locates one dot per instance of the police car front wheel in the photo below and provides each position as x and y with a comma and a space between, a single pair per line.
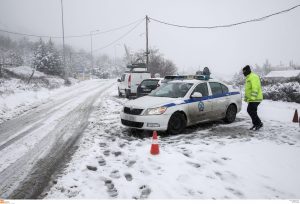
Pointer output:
177, 123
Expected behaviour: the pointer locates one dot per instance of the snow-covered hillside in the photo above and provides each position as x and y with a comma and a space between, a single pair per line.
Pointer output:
18, 94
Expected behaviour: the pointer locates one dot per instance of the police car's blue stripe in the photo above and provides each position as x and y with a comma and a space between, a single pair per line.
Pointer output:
204, 98
170, 105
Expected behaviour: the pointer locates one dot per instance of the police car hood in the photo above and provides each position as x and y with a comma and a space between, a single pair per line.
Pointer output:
152, 102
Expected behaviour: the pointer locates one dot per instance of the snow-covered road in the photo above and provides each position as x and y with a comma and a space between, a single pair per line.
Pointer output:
33, 144
208, 161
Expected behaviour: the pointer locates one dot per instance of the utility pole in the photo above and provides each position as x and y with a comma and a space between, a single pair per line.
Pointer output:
0, 70
147, 49
63, 31
92, 58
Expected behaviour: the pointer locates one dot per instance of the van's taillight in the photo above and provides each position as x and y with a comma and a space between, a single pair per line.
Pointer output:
129, 81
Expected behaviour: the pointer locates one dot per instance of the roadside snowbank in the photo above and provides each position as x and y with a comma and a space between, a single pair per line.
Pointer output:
24, 72
17, 96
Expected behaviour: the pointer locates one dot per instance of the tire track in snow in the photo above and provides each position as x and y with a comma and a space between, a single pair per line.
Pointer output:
27, 177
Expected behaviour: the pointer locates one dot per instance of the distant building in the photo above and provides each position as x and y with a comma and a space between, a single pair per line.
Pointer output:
281, 76
282, 68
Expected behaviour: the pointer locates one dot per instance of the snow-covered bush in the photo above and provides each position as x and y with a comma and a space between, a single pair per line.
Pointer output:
283, 91
72, 81
11, 86
54, 82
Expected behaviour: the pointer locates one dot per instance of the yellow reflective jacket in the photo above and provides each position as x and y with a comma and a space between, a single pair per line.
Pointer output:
253, 92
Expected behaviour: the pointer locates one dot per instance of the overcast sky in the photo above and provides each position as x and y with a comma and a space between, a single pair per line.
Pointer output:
224, 50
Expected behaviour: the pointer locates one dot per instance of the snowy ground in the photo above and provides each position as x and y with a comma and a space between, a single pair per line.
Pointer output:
208, 161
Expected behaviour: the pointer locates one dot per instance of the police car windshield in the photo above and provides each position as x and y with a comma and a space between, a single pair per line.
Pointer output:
172, 90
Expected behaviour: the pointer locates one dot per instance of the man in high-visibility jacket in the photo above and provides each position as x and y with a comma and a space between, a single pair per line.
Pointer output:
253, 96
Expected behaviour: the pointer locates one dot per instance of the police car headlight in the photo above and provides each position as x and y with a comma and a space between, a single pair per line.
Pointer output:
156, 111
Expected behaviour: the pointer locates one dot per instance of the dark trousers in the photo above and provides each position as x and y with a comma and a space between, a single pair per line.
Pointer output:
252, 111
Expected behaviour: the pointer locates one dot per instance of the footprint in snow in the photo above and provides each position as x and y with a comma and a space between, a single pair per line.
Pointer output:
235, 192
101, 161
115, 174
225, 158
102, 144
72, 193
130, 163
117, 153
145, 172
128, 176
217, 161
144, 192
227, 175
106, 152
111, 189
196, 165
91, 168
185, 152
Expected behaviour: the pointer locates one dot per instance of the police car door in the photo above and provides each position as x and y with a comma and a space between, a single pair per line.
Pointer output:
200, 108
219, 99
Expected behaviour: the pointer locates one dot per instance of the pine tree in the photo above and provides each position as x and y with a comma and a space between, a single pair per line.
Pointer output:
39, 56
54, 62
15, 58
47, 59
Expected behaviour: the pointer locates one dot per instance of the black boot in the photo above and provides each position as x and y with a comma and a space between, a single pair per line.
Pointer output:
258, 126
252, 128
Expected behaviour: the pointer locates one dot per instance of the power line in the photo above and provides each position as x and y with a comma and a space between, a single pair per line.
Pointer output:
121, 37
228, 25
71, 36
28, 35
105, 31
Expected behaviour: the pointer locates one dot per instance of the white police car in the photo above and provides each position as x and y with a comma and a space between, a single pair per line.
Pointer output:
182, 103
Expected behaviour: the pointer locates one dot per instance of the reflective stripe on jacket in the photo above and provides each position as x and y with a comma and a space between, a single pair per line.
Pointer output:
253, 92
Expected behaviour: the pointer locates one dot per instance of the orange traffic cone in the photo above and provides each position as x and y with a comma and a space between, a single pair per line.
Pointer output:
296, 119
154, 147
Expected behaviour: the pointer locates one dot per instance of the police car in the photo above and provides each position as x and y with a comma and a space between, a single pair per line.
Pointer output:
182, 103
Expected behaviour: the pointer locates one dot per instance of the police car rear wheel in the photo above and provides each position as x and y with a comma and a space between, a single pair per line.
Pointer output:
230, 114
177, 123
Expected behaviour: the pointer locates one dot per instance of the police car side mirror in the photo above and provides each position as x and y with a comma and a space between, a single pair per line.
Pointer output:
196, 95
119, 80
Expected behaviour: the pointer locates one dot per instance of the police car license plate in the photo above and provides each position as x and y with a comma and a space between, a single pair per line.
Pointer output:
146, 89
129, 117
